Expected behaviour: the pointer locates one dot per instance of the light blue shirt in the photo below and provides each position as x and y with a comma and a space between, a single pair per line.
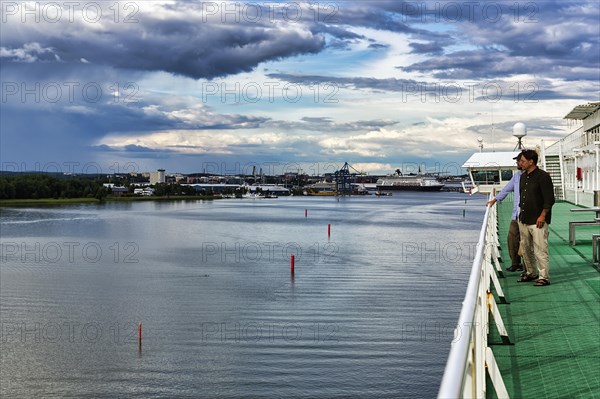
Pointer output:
512, 186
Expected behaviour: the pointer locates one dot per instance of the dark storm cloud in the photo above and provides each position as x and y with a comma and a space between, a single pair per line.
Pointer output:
426, 48
188, 43
179, 38
184, 44
392, 16
198, 52
550, 39
463, 65
491, 63
368, 15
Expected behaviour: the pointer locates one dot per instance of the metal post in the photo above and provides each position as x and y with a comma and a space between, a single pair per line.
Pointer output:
597, 143
562, 171
576, 181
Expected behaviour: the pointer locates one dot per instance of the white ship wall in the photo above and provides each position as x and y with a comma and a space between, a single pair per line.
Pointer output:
580, 149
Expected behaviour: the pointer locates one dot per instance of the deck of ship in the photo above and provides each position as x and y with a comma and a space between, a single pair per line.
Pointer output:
555, 330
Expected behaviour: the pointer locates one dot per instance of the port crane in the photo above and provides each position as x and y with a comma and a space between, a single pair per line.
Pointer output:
344, 178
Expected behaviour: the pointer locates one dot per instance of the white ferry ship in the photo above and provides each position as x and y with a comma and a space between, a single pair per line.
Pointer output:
398, 182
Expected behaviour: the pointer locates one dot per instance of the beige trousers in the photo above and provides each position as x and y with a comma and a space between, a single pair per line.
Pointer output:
534, 242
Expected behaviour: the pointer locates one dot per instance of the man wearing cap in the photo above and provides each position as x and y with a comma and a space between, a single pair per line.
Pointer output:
513, 236
537, 198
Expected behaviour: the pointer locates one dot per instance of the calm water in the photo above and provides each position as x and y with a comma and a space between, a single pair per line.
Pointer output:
369, 312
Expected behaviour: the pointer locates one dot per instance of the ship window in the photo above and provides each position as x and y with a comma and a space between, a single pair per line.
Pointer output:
507, 175
486, 176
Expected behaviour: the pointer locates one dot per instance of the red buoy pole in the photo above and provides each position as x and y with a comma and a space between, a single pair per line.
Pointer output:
140, 333
292, 262
305, 212
329, 230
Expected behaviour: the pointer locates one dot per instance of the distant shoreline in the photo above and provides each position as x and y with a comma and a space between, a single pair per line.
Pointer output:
70, 201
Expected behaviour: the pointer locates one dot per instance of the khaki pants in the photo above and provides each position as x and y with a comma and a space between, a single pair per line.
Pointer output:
534, 243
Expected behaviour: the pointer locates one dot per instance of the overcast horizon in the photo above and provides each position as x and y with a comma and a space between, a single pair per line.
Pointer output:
221, 87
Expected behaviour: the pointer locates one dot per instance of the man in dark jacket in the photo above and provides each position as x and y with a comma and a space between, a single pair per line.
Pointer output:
537, 198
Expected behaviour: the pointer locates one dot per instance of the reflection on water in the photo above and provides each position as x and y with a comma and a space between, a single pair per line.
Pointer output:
369, 311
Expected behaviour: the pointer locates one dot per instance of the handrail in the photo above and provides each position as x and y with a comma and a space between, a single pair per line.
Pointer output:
458, 374
570, 141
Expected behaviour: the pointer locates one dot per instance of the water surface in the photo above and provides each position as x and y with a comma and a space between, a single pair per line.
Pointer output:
368, 313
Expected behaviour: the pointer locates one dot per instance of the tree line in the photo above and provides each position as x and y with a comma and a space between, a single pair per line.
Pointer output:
44, 186
40, 186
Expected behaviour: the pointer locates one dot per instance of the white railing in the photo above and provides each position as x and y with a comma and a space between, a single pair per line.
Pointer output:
566, 145
470, 355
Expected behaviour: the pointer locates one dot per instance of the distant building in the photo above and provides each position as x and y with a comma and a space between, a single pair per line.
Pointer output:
119, 191
157, 177
179, 178
148, 191
322, 188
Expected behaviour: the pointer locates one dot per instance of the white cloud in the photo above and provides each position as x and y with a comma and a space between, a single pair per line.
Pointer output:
30, 52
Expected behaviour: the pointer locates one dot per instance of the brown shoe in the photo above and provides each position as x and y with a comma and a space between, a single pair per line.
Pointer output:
541, 282
528, 277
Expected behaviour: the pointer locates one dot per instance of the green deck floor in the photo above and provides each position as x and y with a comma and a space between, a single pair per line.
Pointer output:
555, 329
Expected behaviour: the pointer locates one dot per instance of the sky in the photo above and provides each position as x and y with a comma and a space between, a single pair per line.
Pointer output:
229, 87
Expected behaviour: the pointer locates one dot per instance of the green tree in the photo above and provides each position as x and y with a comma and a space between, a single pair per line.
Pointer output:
100, 193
